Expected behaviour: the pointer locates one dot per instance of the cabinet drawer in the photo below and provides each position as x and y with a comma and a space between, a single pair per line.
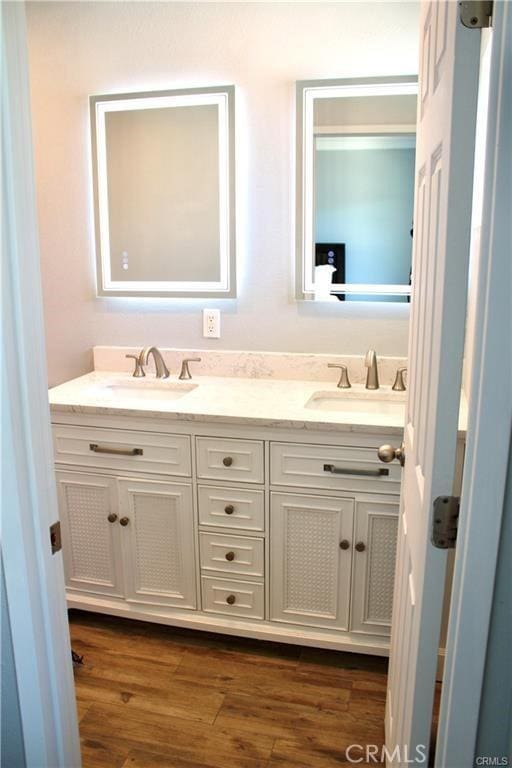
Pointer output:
310, 466
123, 450
231, 508
233, 598
232, 554
230, 459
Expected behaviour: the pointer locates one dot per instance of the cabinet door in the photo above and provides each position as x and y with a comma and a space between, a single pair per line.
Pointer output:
374, 566
90, 542
157, 536
309, 570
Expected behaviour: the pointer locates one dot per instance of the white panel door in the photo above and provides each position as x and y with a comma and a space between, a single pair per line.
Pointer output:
157, 536
90, 535
376, 524
447, 97
310, 559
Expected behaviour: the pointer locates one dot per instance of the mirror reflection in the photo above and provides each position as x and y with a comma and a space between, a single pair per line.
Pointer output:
357, 173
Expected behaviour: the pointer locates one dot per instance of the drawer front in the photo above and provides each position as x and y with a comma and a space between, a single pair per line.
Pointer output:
232, 554
122, 450
336, 467
231, 508
233, 598
231, 459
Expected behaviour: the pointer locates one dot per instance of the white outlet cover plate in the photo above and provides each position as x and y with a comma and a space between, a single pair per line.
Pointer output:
211, 323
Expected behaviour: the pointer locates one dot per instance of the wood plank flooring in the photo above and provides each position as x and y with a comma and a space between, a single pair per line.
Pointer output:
151, 696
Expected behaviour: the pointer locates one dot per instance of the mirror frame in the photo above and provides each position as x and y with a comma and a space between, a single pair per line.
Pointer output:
224, 97
307, 91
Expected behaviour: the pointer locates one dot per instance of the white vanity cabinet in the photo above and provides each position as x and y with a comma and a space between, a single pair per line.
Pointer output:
310, 565
241, 530
91, 545
157, 542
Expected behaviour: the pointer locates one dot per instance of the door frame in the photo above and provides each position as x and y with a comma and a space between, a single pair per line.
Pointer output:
489, 426
34, 579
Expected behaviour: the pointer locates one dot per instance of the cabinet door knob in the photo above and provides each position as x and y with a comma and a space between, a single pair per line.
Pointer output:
230, 556
112, 517
124, 521
229, 509
230, 599
360, 546
345, 544
227, 461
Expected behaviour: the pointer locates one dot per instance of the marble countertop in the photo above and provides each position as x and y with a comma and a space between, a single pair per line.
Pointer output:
259, 402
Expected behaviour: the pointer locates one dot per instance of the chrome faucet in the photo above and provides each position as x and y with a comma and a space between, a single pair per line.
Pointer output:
372, 377
162, 372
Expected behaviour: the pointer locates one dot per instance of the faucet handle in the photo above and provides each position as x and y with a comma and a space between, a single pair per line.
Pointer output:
138, 372
185, 372
343, 382
399, 385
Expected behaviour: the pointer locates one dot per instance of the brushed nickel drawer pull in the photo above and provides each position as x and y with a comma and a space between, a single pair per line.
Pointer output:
117, 451
112, 517
380, 472
230, 556
230, 599
229, 509
227, 461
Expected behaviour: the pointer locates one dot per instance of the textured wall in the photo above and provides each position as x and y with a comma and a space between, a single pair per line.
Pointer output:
82, 48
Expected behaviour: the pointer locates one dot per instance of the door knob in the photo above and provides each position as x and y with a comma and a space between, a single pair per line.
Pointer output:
230, 599
112, 517
345, 544
124, 521
227, 461
387, 453
360, 546
229, 509
230, 556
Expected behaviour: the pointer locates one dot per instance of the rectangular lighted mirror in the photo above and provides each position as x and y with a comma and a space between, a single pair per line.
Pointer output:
164, 193
355, 188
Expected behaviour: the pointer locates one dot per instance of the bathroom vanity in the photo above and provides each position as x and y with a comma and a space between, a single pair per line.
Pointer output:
244, 506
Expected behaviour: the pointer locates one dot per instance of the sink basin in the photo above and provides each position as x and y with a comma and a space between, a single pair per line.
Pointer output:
145, 389
347, 401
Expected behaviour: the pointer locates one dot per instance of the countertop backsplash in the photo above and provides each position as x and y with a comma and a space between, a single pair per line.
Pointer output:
254, 365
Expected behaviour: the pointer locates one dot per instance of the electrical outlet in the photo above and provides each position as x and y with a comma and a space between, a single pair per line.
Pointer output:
211, 323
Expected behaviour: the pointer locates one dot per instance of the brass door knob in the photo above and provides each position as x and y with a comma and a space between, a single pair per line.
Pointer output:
229, 509
230, 599
124, 521
360, 546
227, 461
345, 544
230, 556
387, 453
112, 517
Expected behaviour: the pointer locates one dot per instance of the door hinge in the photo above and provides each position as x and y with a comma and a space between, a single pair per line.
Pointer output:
476, 14
445, 521
55, 537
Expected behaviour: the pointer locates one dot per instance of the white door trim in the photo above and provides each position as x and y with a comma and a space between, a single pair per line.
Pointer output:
33, 576
489, 427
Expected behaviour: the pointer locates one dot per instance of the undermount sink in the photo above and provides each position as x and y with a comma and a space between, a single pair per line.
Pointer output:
348, 401
146, 389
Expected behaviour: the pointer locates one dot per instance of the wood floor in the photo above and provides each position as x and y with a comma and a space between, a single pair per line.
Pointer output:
156, 697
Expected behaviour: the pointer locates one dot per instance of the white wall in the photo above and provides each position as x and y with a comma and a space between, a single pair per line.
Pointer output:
83, 48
